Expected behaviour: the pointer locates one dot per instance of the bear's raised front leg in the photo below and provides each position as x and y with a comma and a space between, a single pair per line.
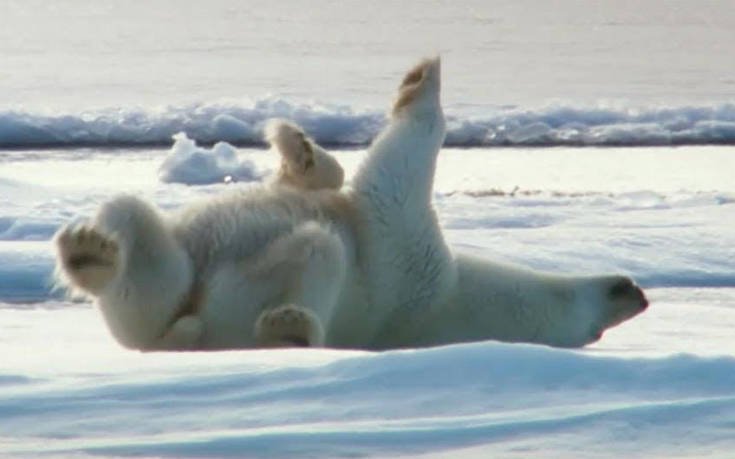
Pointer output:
304, 164
407, 263
398, 172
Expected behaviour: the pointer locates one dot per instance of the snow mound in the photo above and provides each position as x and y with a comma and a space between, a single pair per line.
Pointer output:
489, 395
332, 124
190, 164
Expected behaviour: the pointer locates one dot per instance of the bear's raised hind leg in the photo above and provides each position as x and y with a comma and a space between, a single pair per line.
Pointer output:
128, 259
88, 259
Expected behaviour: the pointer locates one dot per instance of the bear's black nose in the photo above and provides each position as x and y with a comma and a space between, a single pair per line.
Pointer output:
626, 288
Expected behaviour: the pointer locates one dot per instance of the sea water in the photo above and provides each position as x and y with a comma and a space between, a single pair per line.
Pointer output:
583, 137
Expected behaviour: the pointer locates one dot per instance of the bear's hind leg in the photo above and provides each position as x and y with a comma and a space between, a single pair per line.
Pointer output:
184, 334
88, 260
128, 259
310, 265
288, 326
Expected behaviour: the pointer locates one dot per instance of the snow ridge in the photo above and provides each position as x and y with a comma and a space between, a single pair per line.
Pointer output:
330, 124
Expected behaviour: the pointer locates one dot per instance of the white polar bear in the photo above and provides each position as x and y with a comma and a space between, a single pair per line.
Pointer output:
363, 267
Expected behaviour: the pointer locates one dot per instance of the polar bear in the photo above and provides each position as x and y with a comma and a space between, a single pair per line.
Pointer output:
364, 266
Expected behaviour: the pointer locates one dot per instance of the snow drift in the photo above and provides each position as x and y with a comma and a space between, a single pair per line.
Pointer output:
331, 124
496, 397
192, 165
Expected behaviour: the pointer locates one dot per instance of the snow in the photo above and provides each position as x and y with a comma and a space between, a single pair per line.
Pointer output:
192, 165
78, 393
241, 122
660, 385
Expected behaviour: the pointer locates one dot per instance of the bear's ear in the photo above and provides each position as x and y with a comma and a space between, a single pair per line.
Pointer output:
424, 77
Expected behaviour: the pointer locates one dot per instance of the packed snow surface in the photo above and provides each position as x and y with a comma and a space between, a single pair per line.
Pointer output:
519, 400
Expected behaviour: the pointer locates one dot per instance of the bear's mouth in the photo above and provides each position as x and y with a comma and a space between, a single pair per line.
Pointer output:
596, 334
296, 341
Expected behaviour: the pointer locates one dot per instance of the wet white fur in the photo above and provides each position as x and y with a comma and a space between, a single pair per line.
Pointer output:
365, 267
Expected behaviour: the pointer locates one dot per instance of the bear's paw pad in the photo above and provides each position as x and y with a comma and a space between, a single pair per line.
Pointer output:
85, 247
88, 257
287, 326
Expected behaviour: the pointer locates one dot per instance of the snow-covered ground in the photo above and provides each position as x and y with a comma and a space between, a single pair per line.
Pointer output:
71, 391
661, 385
